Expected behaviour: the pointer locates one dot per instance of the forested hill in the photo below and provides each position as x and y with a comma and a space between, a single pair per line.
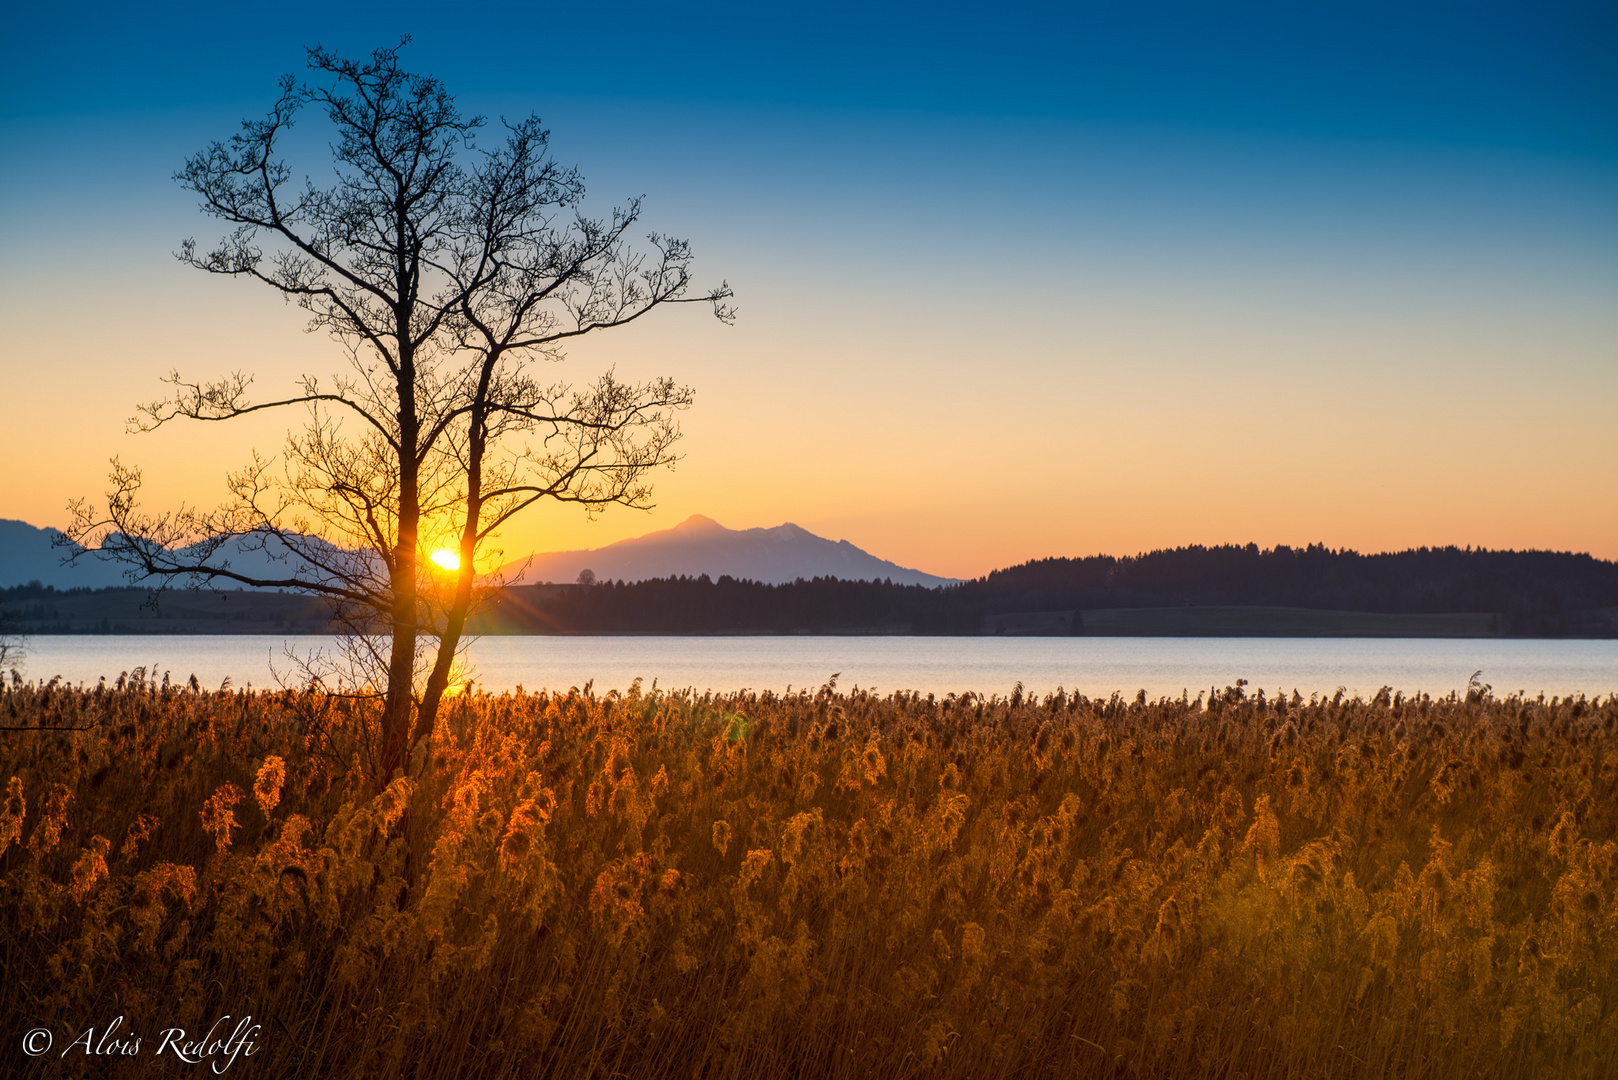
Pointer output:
1192, 590
1534, 591
1243, 591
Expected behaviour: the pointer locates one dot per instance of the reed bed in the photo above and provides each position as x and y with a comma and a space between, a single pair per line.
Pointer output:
816, 885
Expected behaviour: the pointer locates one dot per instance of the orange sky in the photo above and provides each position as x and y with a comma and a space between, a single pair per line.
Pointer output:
1145, 342
954, 454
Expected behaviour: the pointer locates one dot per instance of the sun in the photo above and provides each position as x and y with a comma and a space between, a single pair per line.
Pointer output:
447, 559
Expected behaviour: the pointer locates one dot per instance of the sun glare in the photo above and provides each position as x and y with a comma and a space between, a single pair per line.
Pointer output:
447, 559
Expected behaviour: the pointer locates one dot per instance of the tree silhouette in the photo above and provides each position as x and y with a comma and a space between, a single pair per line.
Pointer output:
446, 272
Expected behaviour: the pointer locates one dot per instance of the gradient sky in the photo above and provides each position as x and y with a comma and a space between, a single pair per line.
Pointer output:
1049, 279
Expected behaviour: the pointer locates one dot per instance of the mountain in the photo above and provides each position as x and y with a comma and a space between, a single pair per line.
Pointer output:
27, 555
700, 545
696, 546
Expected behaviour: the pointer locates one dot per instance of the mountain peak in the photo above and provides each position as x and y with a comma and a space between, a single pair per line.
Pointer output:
696, 523
700, 545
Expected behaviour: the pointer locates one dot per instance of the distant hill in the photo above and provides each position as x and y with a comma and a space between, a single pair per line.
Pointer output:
696, 546
1233, 590
700, 545
1532, 592
27, 555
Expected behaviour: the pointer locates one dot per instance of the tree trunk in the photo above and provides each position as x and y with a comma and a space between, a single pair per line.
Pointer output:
399, 704
455, 618
455, 623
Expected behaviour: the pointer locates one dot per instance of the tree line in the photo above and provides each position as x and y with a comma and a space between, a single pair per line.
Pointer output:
1533, 592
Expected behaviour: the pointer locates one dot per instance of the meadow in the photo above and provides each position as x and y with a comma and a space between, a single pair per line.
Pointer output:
823, 884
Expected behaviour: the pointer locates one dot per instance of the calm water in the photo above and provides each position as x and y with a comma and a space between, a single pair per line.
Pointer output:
1092, 665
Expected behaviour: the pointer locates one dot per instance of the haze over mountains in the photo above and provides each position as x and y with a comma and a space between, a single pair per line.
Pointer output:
695, 547
27, 554
700, 545
702, 578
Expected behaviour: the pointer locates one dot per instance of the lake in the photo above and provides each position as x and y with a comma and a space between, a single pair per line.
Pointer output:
992, 665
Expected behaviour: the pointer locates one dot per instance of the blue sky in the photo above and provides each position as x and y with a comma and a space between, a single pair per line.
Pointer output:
1537, 77
1126, 275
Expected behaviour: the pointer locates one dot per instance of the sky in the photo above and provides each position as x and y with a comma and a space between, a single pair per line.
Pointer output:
1044, 280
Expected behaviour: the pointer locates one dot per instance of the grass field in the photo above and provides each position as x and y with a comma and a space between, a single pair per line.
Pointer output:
824, 884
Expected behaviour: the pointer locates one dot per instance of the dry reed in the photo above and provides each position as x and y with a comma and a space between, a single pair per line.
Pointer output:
839, 885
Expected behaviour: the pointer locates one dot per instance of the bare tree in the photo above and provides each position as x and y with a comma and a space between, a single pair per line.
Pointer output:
447, 272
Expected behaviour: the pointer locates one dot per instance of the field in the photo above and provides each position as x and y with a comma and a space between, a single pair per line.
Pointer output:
825, 884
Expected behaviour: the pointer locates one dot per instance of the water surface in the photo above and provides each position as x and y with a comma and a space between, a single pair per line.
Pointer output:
1091, 665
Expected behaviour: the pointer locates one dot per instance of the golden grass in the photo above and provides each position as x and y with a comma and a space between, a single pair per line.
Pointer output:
835, 885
